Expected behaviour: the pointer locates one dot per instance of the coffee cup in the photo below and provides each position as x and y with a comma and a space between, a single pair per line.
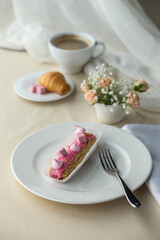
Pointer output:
71, 50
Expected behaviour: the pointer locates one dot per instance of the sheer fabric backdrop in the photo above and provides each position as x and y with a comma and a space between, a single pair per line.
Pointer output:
132, 40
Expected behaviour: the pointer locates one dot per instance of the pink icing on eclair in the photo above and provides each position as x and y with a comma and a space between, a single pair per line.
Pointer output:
71, 151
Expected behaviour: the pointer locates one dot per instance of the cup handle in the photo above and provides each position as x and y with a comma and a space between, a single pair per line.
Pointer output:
102, 51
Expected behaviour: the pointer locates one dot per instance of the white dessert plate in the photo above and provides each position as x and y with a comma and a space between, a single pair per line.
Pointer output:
91, 184
21, 87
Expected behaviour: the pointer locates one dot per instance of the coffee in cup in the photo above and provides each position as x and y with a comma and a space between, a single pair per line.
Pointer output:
71, 42
71, 50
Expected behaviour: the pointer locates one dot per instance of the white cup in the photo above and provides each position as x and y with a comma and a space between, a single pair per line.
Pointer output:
72, 61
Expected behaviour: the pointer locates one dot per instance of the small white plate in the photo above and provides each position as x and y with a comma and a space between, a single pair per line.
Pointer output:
21, 87
91, 184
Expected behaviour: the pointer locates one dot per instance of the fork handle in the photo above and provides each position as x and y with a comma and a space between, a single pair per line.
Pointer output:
129, 195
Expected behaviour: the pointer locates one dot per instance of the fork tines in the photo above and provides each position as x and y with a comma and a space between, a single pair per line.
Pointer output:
106, 159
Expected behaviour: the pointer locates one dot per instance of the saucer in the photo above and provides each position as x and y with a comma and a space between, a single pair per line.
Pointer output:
22, 84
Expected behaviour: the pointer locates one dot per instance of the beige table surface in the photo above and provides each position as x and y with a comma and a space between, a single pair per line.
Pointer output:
24, 215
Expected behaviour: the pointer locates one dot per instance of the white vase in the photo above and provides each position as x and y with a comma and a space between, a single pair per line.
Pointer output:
109, 114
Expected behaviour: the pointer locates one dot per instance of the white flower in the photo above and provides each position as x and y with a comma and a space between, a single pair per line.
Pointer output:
110, 92
96, 98
124, 105
110, 73
103, 64
115, 97
115, 104
127, 112
84, 81
121, 92
103, 90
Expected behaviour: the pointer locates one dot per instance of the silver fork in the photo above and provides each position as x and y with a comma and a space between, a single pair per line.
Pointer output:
110, 167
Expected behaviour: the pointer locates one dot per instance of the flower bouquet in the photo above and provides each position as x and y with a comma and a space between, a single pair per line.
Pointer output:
102, 88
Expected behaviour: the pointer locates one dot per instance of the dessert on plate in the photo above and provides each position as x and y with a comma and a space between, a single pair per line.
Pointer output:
69, 159
54, 82
36, 88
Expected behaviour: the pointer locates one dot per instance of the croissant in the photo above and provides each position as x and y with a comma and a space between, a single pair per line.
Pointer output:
54, 82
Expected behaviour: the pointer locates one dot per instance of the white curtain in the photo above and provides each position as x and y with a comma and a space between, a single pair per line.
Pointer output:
132, 40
